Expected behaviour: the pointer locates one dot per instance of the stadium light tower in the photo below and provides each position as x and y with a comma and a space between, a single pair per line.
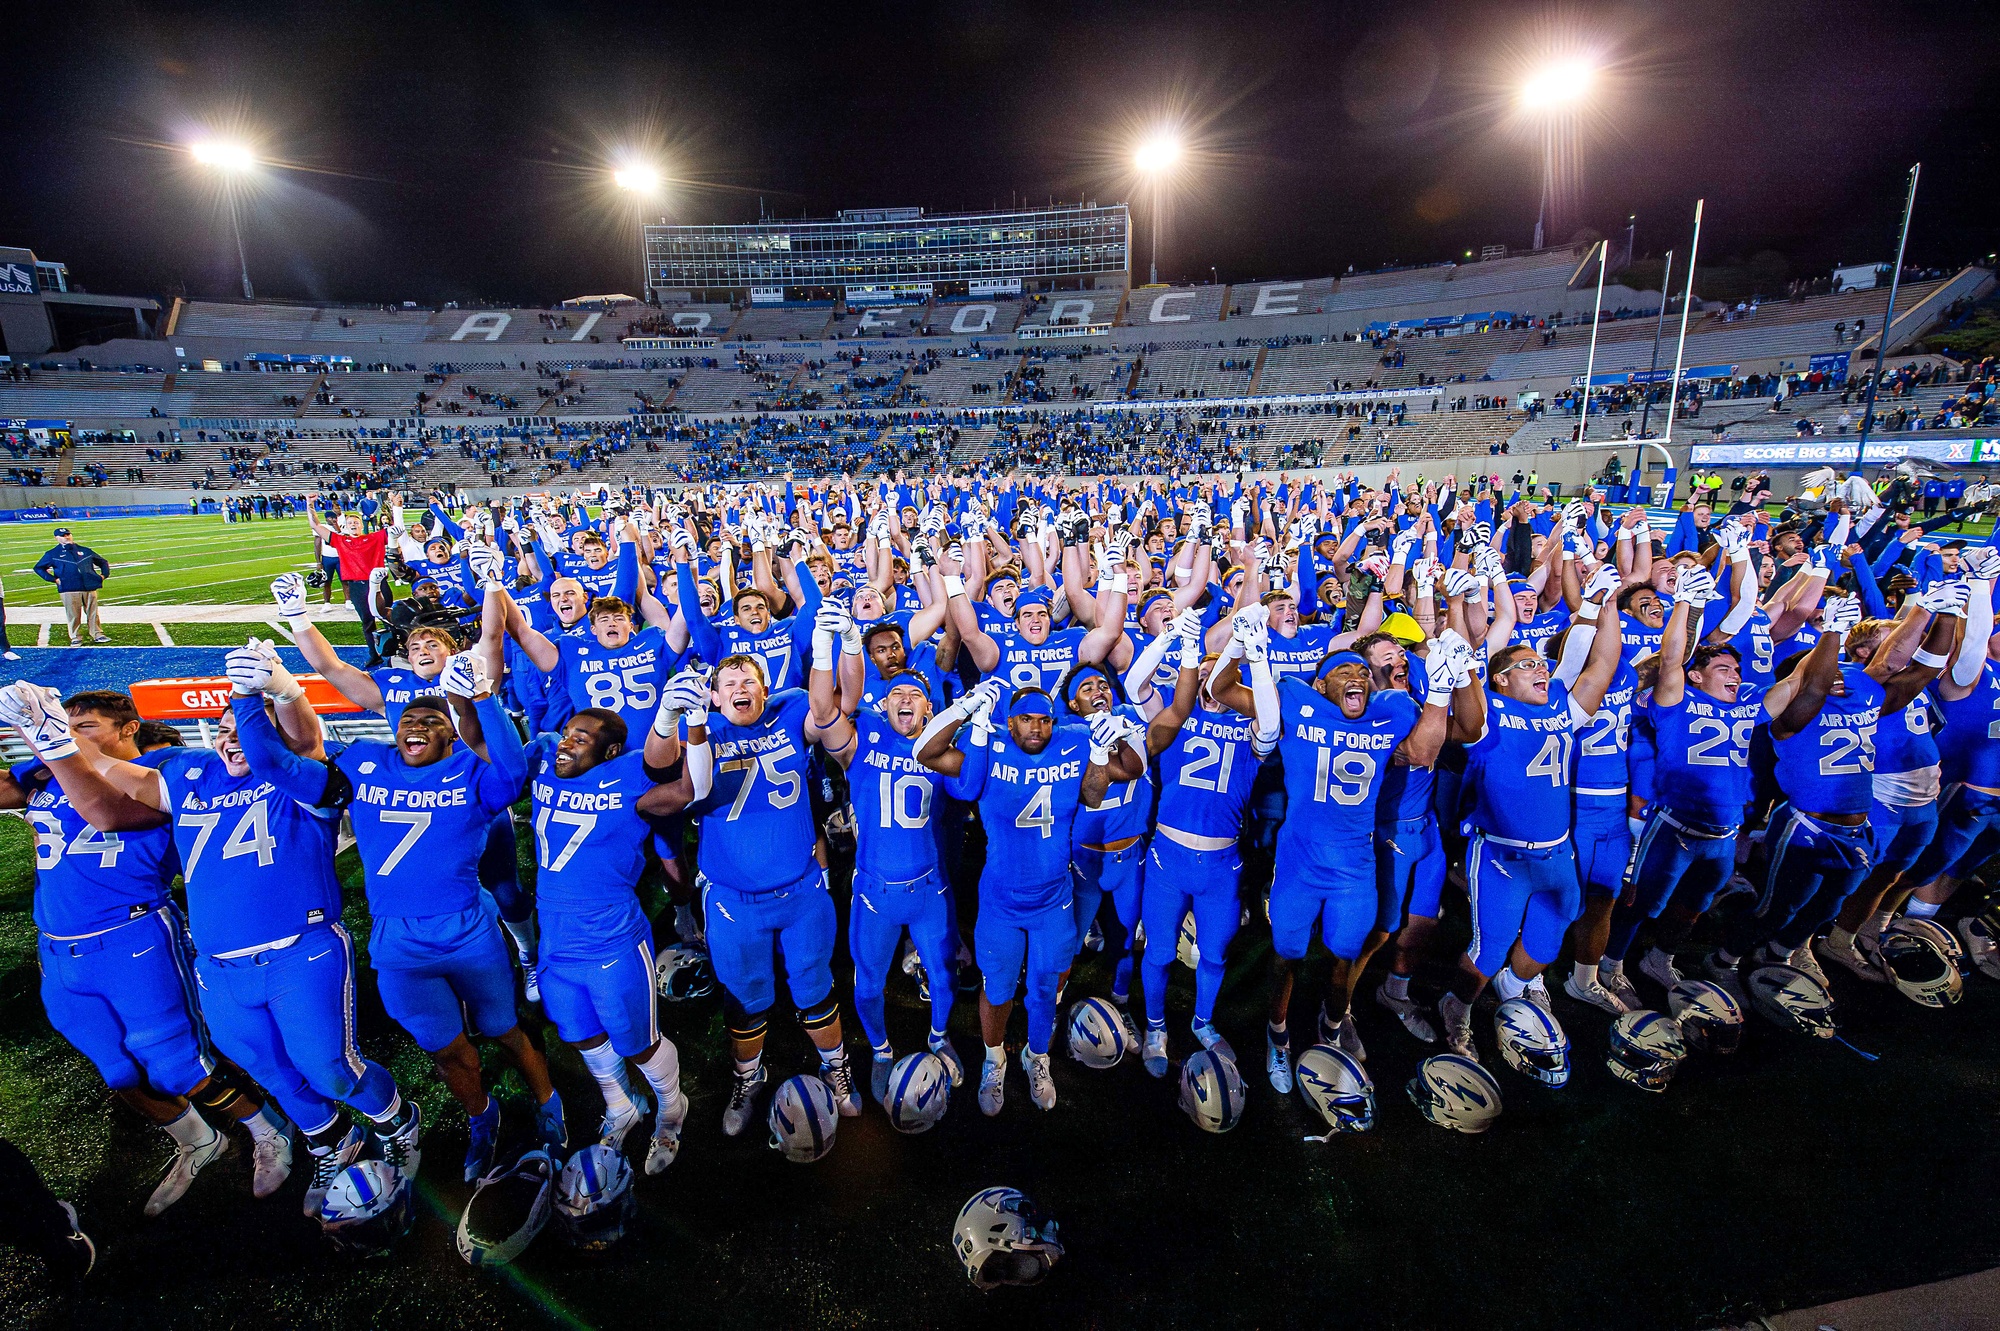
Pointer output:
1552, 94
643, 183
1156, 158
229, 161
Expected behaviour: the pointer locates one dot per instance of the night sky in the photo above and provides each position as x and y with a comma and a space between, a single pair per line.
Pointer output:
457, 152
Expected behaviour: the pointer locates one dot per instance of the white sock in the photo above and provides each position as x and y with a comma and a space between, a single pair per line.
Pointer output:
1586, 974
884, 1052
996, 1053
747, 1067
1875, 924
1609, 967
662, 1071
190, 1131
835, 1057
609, 1070
266, 1123
1919, 909
1509, 985
1397, 985
524, 938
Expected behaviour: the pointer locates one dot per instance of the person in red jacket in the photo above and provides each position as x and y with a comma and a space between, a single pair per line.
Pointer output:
360, 556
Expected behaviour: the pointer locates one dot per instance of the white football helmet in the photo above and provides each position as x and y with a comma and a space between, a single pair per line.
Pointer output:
1709, 1016
1212, 1091
1982, 941
594, 1197
1003, 1240
369, 1205
1531, 1042
1922, 971
506, 1211
1454, 1092
803, 1119
682, 973
1338, 1088
1097, 1036
1185, 950
919, 1092
1792, 999
1645, 1048
1946, 941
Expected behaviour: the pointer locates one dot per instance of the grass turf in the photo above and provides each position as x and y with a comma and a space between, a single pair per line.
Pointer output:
1743, 1188
164, 561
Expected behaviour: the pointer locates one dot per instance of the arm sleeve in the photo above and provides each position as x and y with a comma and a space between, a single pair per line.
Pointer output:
1892, 550
1971, 658
450, 528
308, 781
970, 782
625, 586
1870, 590
701, 632
505, 773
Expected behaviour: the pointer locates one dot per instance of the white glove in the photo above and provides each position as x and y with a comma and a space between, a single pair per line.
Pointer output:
684, 547
1482, 532
15, 710
1604, 582
289, 591
1983, 561
1424, 574
460, 676
1460, 582
688, 694
1187, 624
1696, 587
1946, 598
249, 670
44, 722
1399, 549
1107, 730
486, 565
1488, 563
979, 705
1255, 641
1735, 542
1576, 514
1841, 614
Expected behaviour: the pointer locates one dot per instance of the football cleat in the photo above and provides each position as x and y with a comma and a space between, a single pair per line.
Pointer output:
1619, 985
804, 1119
1645, 1049
1277, 1064
188, 1161
1041, 1086
1001, 1239
1850, 956
742, 1107
616, 1123
1212, 1091
1801, 959
1585, 987
839, 1078
1921, 972
1658, 966
270, 1163
1093, 941
1532, 1043
1154, 1053
1211, 1038
1537, 992
1338, 1089
1348, 1036
1456, 1014
531, 987
482, 1140
665, 1147
399, 1149
943, 1048
992, 1087
878, 1075
1409, 1013
327, 1166
1982, 947
1454, 1092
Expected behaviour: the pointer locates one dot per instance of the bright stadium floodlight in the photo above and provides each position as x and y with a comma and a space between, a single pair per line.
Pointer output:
1551, 93
638, 179
1558, 84
1155, 158
223, 155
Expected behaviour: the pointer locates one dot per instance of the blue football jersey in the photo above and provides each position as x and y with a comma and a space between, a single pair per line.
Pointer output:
1520, 770
1027, 804
898, 832
1969, 746
922, 660
1302, 654
1760, 655
1334, 770
626, 680
1906, 742
257, 863
590, 839
1701, 751
399, 684
1127, 808
1207, 773
1540, 631
1602, 754
1638, 640
1026, 665
1829, 767
87, 881
757, 829
421, 830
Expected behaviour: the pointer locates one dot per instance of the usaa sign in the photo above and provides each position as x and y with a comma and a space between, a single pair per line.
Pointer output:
17, 278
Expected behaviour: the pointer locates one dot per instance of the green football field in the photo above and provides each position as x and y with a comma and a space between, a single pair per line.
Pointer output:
164, 561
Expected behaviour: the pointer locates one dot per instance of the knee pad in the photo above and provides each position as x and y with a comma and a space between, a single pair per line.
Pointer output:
820, 1015
743, 1025
220, 1092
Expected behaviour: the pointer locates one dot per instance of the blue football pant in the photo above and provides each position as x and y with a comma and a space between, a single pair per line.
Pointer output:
1968, 834
876, 918
1673, 859
1120, 875
751, 935
1179, 879
1043, 941
1346, 912
434, 972
595, 969
1814, 868
286, 1016
500, 870
1410, 870
1902, 833
1603, 839
126, 1000
1532, 895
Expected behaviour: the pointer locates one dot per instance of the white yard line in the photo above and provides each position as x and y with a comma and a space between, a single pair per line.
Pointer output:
166, 638
42, 638
282, 631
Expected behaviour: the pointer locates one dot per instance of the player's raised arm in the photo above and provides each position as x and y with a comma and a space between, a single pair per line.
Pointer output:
355, 684
827, 724
935, 745
110, 795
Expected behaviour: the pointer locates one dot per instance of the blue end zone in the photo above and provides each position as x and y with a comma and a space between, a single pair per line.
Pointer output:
73, 669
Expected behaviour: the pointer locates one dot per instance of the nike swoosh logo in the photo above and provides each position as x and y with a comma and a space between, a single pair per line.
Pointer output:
1379, 723
603, 784
448, 780
316, 956
137, 955
607, 965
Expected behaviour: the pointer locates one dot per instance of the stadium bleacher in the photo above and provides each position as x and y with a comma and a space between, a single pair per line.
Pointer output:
1164, 307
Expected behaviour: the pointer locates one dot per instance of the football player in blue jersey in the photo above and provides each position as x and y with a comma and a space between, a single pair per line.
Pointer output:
1108, 842
388, 689
1208, 757
1820, 844
423, 805
593, 795
1338, 738
1521, 871
764, 890
1029, 787
274, 966
899, 881
117, 981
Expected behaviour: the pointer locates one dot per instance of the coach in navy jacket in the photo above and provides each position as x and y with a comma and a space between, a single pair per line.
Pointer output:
77, 571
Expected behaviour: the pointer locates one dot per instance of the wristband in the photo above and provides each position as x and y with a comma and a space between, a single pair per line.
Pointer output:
672, 720
1587, 612
283, 698
1924, 658
1624, 534
954, 585
1440, 694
